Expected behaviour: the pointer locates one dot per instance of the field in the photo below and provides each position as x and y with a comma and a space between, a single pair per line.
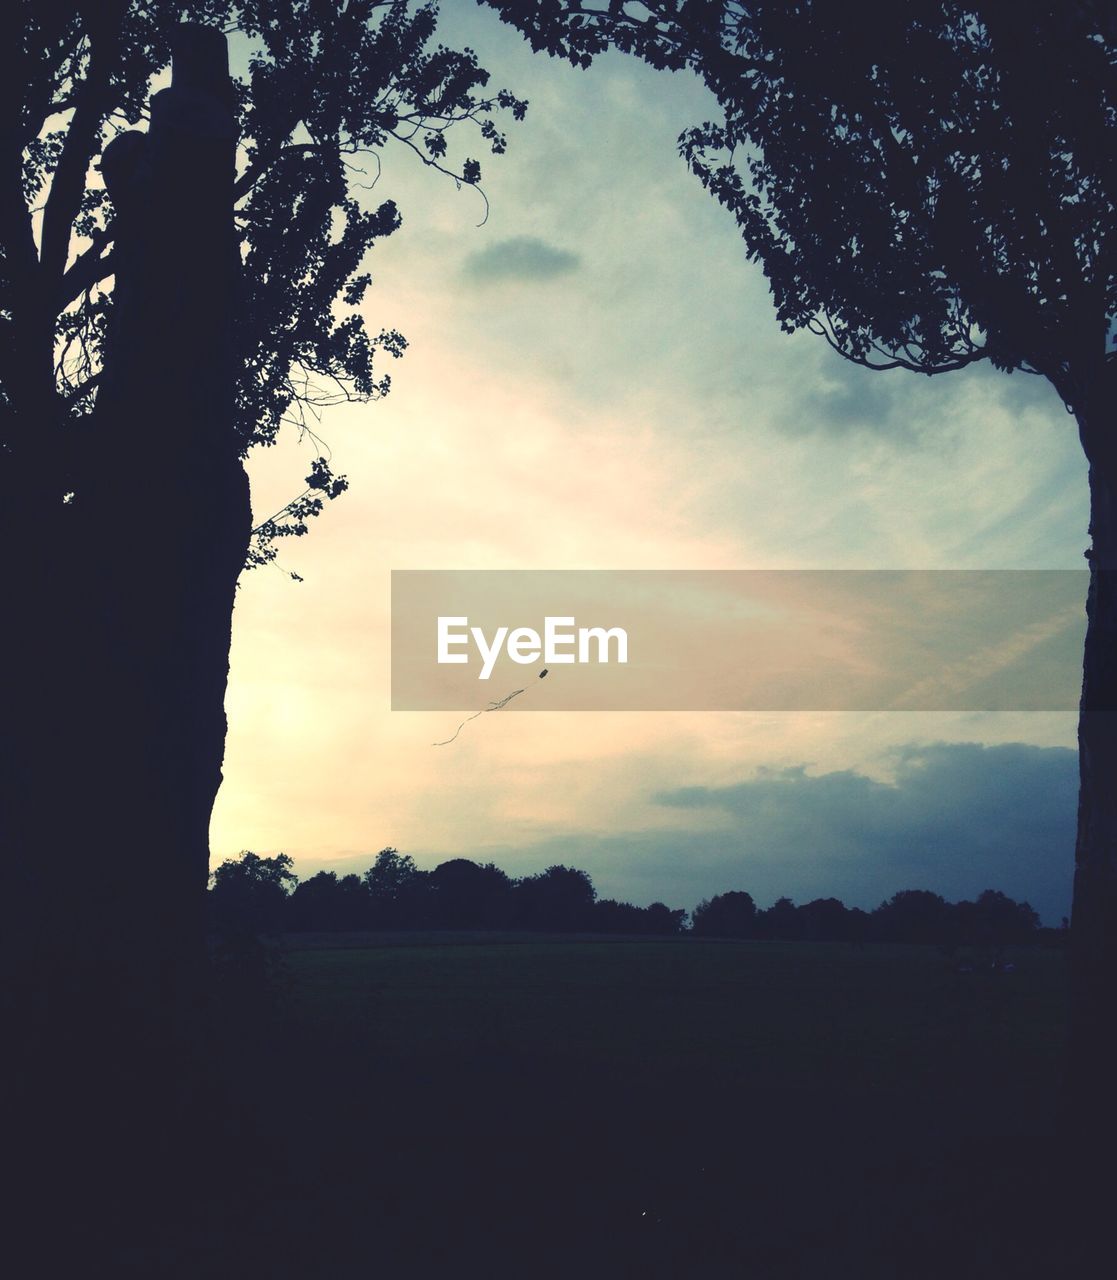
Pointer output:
885, 1026
675, 1108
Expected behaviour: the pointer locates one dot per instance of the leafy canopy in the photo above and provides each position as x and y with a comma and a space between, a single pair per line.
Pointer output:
927, 183
322, 90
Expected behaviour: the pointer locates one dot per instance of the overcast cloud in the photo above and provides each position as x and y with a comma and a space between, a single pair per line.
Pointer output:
519, 258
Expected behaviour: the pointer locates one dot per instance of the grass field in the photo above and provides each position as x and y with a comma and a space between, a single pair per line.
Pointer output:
676, 1108
902, 1025
479, 1105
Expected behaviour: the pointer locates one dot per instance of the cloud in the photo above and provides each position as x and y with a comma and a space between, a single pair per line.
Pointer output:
519, 258
955, 817
837, 398
842, 399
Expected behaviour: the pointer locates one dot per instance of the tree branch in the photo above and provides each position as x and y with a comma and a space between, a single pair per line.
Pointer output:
893, 361
432, 163
82, 137
262, 164
88, 269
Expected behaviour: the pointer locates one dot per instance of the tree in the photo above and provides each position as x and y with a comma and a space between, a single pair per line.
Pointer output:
465, 895
995, 920
929, 184
558, 898
913, 915
611, 916
782, 921
725, 915
328, 903
153, 329
394, 885
250, 893
825, 920
659, 918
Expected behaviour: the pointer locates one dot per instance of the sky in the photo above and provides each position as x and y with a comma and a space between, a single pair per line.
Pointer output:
596, 380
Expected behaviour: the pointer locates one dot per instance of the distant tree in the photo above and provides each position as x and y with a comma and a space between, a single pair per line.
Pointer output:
611, 916
464, 895
914, 915
858, 926
725, 915
313, 903
781, 921
249, 894
395, 888
559, 898
929, 184
325, 902
996, 920
353, 903
663, 920
825, 920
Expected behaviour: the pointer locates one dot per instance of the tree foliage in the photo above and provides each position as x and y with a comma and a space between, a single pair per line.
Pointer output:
249, 893
322, 91
726, 915
559, 898
926, 183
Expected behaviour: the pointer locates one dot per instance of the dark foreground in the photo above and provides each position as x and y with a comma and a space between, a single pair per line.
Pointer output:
625, 1109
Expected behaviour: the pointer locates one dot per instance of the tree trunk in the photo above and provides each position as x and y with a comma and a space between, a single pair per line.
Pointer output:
124, 595
1093, 1059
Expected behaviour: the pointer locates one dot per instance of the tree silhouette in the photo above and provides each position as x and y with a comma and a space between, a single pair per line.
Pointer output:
250, 893
825, 920
326, 902
659, 918
395, 886
655, 920
995, 920
465, 895
929, 184
262, 895
782, 921
725, 915
558, 898
153, 328
913, 915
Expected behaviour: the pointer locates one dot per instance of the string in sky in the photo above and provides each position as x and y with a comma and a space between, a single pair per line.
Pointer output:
493, 706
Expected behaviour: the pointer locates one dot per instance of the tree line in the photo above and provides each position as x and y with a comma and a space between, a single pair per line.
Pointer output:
254, 894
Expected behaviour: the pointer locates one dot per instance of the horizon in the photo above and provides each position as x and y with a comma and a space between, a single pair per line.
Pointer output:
687, 912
